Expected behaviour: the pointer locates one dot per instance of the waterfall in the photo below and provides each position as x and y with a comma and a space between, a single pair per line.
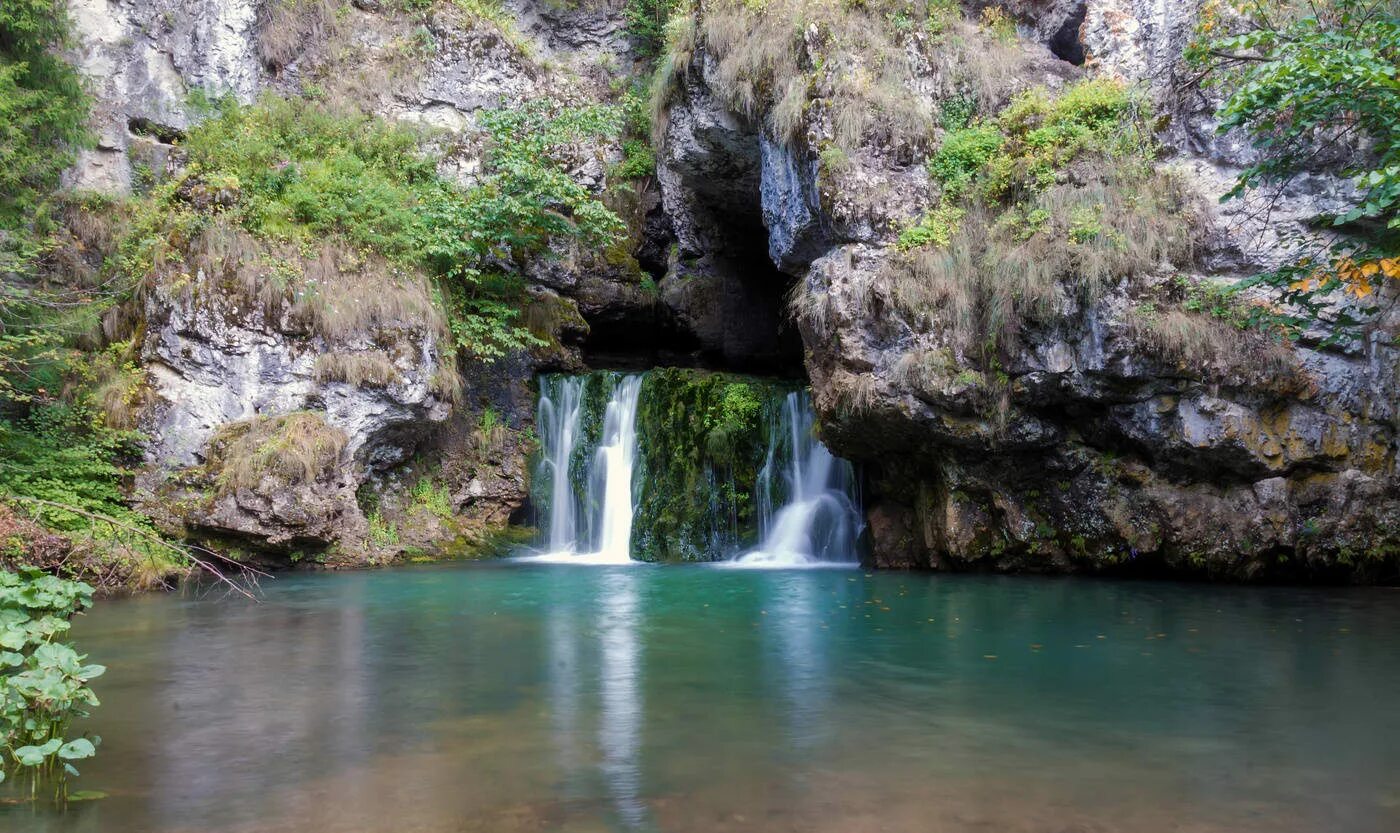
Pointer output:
613, 467
557, 419
606, 506
820, 520
709, 467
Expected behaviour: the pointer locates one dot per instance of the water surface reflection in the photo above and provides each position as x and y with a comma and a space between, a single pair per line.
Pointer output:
520, 698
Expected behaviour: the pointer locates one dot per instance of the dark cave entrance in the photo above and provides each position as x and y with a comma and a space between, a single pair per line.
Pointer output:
1065, 43
718, 301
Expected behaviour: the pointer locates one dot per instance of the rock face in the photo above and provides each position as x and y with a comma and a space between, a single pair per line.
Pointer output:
1095, 443
217, 354
214, 360
276, 482
146, 60
1108, 457
214, 355
1094, 446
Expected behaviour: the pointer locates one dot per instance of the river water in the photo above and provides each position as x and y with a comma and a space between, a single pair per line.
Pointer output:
509, 697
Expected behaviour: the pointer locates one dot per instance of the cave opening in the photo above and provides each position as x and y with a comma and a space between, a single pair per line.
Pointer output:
718, 300
151, 129
1065, 44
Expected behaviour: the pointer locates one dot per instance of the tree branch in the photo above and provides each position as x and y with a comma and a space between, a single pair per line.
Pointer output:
182, 550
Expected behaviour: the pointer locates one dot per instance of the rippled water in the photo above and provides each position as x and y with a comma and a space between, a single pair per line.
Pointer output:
511, 697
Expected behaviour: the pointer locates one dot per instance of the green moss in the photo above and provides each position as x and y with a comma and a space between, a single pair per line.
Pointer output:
962, 155
936, 228
707, 436
489, 542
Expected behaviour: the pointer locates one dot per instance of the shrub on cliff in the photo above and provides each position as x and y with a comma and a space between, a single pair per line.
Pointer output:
43, 110
1052, 199
1304, 82
299, 173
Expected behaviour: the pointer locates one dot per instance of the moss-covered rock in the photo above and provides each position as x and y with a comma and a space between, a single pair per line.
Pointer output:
705, 441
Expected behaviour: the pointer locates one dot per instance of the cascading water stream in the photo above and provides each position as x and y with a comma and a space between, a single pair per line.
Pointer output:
820, 521
558, 421
606, 507
800, 504
613, 467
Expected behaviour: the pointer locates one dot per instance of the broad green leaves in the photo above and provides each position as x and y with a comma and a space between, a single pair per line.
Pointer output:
76, 750
43, 683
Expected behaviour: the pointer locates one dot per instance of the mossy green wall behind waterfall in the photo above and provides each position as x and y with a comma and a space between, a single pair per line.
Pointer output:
702, 438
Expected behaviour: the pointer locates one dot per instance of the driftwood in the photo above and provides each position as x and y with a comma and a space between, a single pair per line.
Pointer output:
237, 577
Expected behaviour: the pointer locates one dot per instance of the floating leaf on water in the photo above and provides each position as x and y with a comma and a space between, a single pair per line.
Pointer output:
86, 795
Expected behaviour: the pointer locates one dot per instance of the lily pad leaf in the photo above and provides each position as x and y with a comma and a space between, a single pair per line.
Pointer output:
76, 750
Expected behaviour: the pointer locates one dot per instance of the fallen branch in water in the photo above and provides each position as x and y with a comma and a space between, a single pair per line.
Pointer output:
249, 574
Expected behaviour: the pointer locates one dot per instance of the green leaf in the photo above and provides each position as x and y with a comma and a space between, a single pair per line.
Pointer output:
76, 750
29, 756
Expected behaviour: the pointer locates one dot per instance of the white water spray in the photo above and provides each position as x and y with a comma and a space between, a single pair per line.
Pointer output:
607, 506
558, 420
819, 523
614, 467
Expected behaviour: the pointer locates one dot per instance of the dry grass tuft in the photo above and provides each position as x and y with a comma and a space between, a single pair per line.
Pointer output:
673, 69
287, 27
856, 63
372, 368
812, 309
874, 67
123, 397
89, 227
331, 290
858, 394
997, 273
290, 450
447, 383
1209, 346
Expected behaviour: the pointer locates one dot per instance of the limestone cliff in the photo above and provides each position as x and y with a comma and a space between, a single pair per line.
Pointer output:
1071, 404
1111, 426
